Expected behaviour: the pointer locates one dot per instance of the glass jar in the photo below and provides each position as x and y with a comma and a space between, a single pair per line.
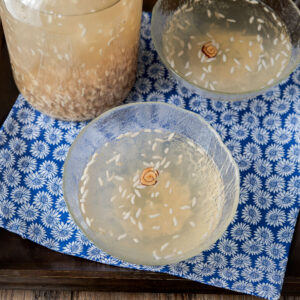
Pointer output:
72, 59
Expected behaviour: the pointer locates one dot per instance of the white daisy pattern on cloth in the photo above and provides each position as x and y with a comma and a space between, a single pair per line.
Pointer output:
263, 135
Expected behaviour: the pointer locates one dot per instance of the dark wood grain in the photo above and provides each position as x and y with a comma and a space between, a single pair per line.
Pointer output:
1, 35
81, 295
24, 264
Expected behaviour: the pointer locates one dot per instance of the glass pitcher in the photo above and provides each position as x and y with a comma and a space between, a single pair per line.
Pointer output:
72, 59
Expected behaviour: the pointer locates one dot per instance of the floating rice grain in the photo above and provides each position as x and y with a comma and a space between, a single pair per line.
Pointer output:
180, 53
135, 134
274, 16
248, 68
219, 15
192, 224
138, 193
122, 236
205, 69
155, 255
83, 208
124, 193
140, 226
170, 137
126, 215
163, 161
113, 198
88, 222
185, 207
119, 178
258, 38
202, 76
180, 26
208, 13
259, 68
194, 202
100, 181
237, 61
156, 227
132, 220
154, 216
164, 246
175, 223
154, 146
138, 213
264, 64
167, 165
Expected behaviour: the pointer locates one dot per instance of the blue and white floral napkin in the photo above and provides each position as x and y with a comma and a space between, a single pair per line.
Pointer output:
263, 135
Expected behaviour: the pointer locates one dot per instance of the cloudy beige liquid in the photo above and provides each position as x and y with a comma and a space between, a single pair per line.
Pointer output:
152, 224
74, 66
252, 42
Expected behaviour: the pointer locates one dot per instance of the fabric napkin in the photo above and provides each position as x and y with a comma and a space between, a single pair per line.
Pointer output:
263, 135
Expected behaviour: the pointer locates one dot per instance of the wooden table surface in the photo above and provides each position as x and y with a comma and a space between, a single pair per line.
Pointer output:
24, 264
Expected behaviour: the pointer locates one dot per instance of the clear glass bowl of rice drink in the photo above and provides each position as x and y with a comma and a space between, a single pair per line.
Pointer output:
73, 59
228, 49
150, 183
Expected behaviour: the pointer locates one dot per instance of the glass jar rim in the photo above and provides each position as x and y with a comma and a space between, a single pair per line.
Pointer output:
51, 13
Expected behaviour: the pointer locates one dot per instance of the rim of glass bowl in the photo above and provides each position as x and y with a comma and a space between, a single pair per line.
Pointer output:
215, 133
46, 12
238, 96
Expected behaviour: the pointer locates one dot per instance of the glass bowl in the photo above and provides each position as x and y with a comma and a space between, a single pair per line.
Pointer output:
287, 11
136, 118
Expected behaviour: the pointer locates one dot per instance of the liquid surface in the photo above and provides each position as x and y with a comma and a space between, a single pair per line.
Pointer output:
66, 7
253, 45
151, 224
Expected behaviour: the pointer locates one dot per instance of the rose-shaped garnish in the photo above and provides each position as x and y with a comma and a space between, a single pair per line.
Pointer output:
149, 177
209, 50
